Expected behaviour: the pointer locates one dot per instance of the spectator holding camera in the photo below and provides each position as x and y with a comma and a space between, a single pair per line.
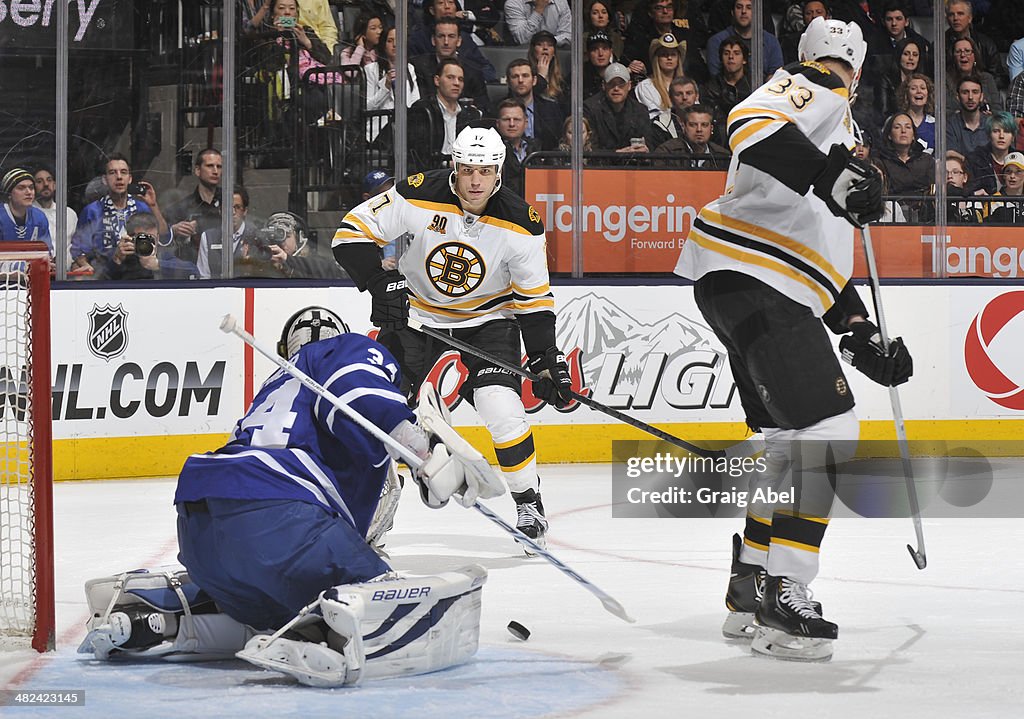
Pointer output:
281, 250
102, 222
139, 256
199, 211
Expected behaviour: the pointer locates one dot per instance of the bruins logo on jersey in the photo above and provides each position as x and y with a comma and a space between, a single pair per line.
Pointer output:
416, 180
534, 215
455, 269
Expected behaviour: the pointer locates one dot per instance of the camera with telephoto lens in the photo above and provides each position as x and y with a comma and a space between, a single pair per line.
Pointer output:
267, 237
145, 244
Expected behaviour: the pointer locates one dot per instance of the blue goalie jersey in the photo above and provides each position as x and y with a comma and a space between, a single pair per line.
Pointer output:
294, 445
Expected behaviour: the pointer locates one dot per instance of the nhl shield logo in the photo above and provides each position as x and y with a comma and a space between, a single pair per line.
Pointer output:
108, 331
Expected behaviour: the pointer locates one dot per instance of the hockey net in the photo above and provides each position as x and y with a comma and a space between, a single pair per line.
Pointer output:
26, 504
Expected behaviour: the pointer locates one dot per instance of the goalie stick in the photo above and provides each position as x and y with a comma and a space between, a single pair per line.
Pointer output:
918, 555
581, 398
230, 325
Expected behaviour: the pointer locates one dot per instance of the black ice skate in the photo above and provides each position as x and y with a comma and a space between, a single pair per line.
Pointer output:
530, 517
743, 597
790, 625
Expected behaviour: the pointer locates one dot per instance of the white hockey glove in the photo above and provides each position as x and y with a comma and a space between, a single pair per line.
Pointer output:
455, 467
852, 189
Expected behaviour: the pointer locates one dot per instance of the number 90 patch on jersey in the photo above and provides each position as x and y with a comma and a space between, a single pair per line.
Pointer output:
455, 269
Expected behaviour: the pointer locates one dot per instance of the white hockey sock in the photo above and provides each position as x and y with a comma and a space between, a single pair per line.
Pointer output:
502, 411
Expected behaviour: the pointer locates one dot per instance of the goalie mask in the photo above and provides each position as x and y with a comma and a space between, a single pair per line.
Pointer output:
482, 147
310, 324
834, 39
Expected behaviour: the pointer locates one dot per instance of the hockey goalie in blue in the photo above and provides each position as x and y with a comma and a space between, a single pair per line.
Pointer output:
275, 533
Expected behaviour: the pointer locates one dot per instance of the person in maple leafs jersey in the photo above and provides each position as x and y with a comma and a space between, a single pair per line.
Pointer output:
771, 261
475, 267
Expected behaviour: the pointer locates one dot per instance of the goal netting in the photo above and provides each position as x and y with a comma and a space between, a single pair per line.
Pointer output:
26, 546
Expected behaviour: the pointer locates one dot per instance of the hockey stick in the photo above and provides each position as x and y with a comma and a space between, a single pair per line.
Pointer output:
581, 398
230, 325
918, 554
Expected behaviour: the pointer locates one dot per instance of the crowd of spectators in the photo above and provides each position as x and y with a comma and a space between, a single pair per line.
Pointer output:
647, 62
659, 80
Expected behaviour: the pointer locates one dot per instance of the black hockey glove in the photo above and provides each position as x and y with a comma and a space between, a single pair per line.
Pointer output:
852, 189
863, 349
390, 308
555, 384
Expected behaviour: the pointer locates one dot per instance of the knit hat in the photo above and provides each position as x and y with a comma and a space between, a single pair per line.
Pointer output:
13, 177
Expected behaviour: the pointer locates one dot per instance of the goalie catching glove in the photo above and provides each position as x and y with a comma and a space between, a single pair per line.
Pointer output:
452, 467
555, 384
864, 350
850, 188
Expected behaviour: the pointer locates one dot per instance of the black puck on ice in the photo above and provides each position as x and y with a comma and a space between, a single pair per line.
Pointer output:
518, 631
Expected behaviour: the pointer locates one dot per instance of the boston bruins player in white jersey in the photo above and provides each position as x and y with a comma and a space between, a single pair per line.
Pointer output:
771, 260
476, 267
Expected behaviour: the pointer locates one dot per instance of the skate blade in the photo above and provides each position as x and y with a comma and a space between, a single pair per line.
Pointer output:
312, 664
777, 644
540, 541
739, 625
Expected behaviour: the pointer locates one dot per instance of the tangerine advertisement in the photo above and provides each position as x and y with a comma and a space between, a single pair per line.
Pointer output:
636, 221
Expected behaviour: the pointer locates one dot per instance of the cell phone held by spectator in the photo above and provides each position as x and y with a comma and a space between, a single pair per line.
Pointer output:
286, 22
137, 189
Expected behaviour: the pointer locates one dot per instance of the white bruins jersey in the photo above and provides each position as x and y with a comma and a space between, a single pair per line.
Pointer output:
462, 270
759, 226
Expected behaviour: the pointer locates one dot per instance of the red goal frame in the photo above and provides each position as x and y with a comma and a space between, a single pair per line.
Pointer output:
37, 255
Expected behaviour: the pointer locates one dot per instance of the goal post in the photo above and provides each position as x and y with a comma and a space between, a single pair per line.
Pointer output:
26, 481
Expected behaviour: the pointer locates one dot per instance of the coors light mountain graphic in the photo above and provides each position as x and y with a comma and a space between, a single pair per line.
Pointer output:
629, 364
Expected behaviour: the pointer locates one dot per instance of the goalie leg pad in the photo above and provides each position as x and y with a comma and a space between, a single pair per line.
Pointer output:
414, 625
389, 627
503, 412
777, 644
157, 614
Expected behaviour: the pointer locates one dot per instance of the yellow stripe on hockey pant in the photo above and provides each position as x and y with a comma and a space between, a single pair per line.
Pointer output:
750, 258
763, 520
763, 233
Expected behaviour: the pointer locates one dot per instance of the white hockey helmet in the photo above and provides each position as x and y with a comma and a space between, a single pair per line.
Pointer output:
478, 146
836, 39
310, 324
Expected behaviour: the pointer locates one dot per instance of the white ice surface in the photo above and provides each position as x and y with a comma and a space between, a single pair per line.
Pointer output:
944, 642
